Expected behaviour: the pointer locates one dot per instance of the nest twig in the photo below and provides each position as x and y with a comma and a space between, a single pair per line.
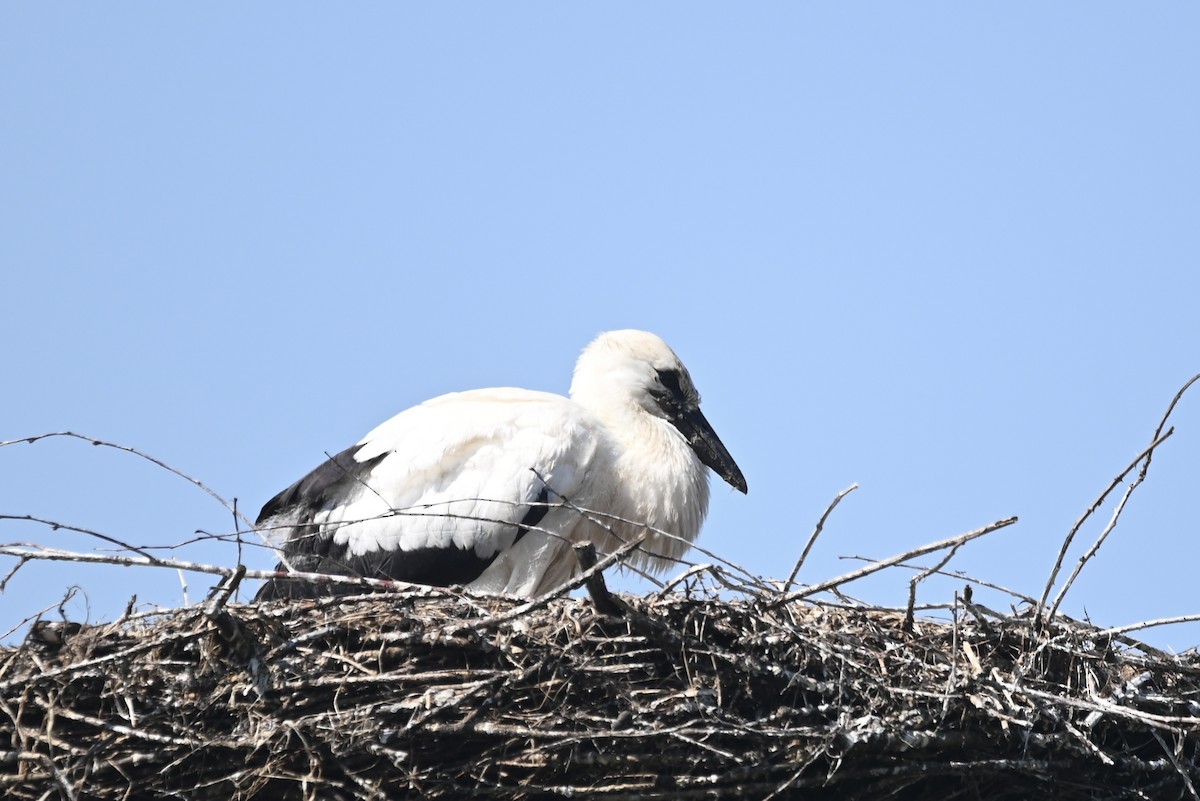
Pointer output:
446, 694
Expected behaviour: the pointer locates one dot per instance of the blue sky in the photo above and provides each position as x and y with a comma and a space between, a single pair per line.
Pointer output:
946, 251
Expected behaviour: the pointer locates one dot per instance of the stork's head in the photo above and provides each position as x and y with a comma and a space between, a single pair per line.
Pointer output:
638, 370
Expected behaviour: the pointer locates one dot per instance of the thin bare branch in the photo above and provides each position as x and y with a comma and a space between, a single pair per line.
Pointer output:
956, 574
57, 526
854, 575
791, 579
135, 452
1144, 458
1062, 552
31, 551
1148, 624
1083, 560
1167, 416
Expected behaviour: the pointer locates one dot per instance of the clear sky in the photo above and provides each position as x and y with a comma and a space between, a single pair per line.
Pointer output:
947, 251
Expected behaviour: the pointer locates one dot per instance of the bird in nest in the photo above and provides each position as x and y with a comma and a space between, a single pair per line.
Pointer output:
490, 488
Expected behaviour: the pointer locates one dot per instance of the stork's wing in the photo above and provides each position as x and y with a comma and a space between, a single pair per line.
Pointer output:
435, 493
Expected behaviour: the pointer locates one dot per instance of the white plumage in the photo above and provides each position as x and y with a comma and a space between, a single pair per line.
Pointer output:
466, 488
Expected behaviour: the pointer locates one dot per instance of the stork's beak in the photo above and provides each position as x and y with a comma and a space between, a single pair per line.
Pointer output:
709, 448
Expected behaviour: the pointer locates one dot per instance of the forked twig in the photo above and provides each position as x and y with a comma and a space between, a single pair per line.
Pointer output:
223, 591
1083, 560
1144, 458
1167, 415
1096, 504
787, 585
854, 575
957, 574
917, 579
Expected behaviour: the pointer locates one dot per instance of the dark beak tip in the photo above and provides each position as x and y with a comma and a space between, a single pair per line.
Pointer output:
708, 447
734, 478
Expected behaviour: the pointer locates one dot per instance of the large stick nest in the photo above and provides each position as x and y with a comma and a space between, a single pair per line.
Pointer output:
689, 694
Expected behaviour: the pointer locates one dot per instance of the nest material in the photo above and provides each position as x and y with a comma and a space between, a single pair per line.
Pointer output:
439, 694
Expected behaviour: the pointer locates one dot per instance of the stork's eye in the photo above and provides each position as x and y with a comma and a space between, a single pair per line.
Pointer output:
668, 393
670, 381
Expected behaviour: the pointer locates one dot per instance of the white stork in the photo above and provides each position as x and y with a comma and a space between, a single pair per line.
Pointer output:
469, 488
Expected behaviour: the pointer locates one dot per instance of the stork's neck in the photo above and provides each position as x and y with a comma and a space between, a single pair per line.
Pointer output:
659, 480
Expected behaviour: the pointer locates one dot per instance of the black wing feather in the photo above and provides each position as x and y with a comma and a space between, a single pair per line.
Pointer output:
309, 551
321, 488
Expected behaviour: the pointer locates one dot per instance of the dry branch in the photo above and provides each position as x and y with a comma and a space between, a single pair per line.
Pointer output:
891, 561
230, 506
1143, 459
812, 539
